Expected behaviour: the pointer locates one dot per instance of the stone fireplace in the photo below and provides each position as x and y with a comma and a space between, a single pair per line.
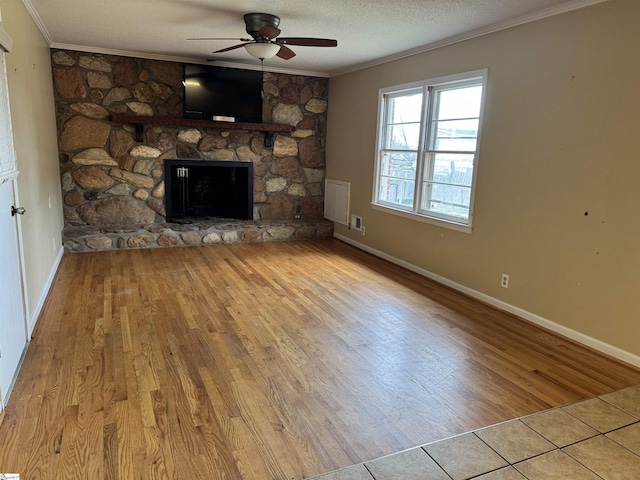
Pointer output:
113, 172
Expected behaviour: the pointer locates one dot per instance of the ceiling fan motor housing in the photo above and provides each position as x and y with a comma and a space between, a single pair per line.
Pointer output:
265, 41
255, 21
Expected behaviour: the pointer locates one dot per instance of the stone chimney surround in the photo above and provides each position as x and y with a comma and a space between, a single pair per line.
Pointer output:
112, 179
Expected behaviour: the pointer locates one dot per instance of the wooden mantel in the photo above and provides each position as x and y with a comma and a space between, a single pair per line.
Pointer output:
139, 121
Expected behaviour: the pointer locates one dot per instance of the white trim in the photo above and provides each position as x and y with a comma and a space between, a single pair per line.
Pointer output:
23, 269
479, 32
6, 42
9, 176
37, 309
38, 21
172, 58
470, 76
574, 335
5, 397
151, 56
458, 227
425, 87
496, 27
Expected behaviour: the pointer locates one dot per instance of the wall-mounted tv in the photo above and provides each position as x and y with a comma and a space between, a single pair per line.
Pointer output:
219, 93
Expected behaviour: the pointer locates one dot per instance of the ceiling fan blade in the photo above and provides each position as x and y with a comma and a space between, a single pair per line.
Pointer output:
268, 31
308, 42
240, 45
222, 38
285, 53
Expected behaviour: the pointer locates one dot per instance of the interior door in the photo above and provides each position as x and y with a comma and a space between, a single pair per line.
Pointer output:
13, 331
13, 325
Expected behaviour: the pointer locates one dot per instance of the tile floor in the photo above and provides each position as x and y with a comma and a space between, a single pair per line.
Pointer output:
597, 438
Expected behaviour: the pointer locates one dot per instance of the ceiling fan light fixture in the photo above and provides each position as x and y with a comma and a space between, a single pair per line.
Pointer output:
262, 50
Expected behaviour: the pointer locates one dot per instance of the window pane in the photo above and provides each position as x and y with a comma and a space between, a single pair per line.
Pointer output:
448, 200
397, 178
458, 135
405, 108
453, 168
396, 191
398, 165
403, 136
458, 103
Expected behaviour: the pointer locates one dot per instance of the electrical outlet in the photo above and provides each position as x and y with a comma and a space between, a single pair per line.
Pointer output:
504, 283
362, 230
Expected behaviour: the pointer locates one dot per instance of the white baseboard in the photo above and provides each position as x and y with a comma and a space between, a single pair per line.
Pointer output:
37, 309
574, 335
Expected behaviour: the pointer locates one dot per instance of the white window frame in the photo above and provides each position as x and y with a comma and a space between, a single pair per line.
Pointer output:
427, 86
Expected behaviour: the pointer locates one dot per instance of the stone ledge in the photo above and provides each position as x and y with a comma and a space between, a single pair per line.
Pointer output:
115, 237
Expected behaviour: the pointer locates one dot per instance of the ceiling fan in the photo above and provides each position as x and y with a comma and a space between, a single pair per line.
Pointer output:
264, 42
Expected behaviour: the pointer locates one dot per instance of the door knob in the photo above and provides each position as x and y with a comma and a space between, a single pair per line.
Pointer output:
19, 211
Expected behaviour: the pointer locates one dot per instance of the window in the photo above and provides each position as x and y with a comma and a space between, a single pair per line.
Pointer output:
428, 149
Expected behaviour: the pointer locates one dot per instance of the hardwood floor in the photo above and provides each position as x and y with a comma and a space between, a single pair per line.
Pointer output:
269, 361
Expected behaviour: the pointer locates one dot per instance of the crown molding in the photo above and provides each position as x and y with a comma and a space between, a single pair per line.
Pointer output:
496, 27
479, 32
151, 56
38, 21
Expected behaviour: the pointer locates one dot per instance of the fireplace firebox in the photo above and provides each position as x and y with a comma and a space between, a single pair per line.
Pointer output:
199, 190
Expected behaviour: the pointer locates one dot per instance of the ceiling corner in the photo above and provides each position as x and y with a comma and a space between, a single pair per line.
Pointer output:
38, 21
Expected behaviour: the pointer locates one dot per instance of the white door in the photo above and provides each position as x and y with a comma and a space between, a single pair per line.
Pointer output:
13, 325
13, 331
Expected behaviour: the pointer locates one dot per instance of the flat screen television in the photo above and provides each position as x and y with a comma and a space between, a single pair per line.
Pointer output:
219, 93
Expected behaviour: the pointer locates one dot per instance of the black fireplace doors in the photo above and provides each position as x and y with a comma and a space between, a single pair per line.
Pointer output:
199, 190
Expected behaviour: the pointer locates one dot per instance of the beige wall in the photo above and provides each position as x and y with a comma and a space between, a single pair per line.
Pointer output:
560, 139
34, 131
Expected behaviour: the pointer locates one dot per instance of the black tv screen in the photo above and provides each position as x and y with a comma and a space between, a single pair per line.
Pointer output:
218, 93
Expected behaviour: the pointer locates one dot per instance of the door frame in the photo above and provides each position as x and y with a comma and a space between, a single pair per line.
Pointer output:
23, 278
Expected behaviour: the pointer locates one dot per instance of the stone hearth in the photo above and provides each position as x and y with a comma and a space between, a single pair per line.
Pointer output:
87, 238
113, 185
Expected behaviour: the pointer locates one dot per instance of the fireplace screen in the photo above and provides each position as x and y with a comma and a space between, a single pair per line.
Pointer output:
198, 190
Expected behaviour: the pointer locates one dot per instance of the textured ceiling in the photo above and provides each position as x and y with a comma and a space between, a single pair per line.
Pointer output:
367, 31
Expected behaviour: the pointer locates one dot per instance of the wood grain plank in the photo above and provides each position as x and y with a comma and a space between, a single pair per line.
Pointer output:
273, 361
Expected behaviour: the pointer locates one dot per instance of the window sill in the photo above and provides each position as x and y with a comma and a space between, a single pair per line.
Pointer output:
421, 218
